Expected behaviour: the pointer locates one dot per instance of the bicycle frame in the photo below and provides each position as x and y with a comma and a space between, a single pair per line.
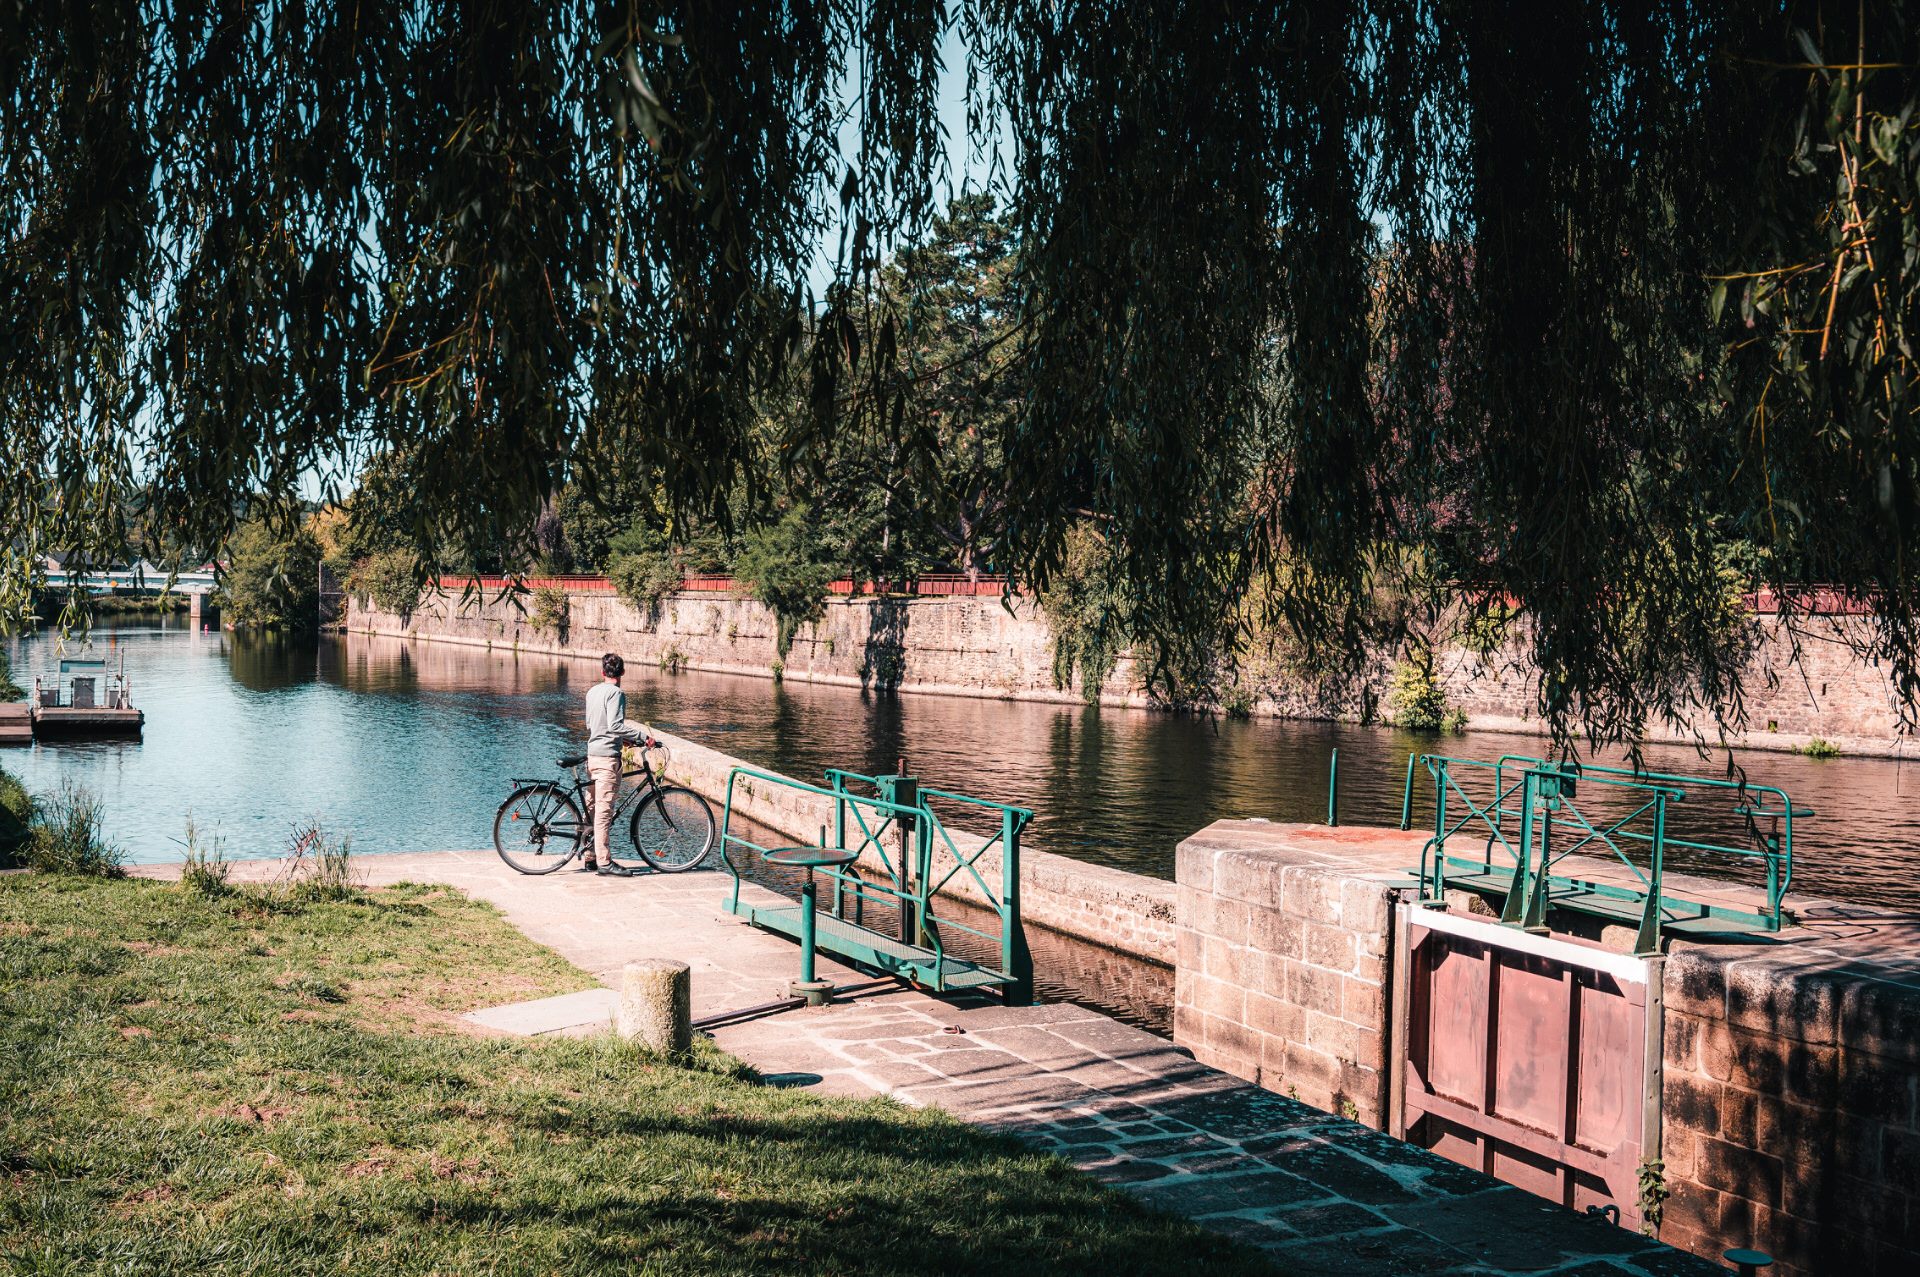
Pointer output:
624, 797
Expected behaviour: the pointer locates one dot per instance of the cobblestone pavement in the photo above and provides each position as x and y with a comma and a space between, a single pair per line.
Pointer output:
1324, 1195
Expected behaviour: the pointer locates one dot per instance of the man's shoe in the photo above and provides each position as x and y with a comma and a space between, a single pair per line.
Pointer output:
586, 865
614, 870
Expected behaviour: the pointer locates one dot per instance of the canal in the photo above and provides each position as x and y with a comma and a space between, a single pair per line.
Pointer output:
407, 746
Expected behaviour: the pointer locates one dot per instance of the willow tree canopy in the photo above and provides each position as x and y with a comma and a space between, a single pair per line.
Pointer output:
1576, 305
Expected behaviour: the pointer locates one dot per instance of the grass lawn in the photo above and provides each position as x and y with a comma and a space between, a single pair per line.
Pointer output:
236, 1085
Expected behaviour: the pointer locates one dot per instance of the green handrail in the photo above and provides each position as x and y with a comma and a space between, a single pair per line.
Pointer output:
913, 888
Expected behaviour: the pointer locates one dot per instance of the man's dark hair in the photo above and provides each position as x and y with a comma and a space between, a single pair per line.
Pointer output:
612, 666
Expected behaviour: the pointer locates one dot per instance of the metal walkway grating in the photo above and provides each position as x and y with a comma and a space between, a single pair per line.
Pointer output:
851, 941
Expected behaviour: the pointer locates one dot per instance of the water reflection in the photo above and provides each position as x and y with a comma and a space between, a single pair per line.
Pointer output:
409, 745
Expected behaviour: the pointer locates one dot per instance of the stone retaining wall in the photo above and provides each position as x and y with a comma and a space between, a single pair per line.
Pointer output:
951, 646
1281, 974
1796, 689
1791, 1081
1110, 907
1792, 1098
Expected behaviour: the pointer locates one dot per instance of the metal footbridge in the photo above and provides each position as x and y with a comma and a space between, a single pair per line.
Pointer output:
907, 893
137, 576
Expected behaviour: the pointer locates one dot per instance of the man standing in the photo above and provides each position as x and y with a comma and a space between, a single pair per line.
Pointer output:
608, 732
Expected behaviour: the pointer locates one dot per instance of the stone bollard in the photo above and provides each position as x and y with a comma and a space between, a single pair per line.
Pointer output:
656, 1006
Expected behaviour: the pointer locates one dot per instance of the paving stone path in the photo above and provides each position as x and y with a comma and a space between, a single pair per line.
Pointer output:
1322, 1194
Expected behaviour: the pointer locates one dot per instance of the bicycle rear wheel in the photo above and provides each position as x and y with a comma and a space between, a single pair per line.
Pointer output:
673, 829
538, 829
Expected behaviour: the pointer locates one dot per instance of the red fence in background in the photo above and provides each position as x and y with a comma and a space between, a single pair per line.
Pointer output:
495, 584
1811, 600
948, 585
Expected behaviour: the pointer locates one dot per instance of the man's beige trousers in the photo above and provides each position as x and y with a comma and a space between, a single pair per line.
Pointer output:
605, 775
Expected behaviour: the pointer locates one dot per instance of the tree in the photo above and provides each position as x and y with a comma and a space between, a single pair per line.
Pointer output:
788, 569
1308, 296
272, 578
644, 566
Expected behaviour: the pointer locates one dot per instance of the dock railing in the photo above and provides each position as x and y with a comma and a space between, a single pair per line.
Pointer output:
909, 856
1527, 815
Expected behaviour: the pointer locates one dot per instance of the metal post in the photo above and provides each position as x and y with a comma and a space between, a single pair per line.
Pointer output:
1015, 958
815, 991
807, 903
923, 929
1515, 907
1648, 939
1543, 876
839, 840
1333, 788
903, 791
1406, 795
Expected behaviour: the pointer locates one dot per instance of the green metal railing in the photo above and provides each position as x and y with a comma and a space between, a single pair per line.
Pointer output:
906, 874
1526, 815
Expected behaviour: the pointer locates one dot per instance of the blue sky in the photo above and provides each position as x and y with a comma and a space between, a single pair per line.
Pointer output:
963, 171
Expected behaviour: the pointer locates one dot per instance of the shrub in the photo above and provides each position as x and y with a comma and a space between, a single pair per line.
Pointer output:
644, 567
204, 869
673, 660
16, 818
390, 579
319, 865
550, 611
1419, 702
9, 690
787, 569
1820, 748
66, 835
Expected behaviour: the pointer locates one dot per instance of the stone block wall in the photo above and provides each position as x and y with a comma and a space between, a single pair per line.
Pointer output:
1796, 689
953, 646
1792, 1096
1281, 974
1790, 1088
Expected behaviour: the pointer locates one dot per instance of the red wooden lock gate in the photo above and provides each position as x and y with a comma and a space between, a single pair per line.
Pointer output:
1532, 1058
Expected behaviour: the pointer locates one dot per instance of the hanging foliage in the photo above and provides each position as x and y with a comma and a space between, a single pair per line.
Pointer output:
1543, 306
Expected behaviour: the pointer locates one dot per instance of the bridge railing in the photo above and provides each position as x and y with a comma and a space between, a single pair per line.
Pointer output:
1528, 817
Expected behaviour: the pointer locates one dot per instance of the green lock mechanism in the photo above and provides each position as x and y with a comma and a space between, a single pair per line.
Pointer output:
904, 791
1543, 835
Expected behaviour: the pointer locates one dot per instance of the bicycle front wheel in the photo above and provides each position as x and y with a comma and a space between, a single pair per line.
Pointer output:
673, 829
538, 828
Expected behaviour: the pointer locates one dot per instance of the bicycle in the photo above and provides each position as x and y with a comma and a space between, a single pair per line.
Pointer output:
541, 826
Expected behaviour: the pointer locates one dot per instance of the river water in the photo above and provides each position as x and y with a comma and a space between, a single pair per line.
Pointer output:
408, 746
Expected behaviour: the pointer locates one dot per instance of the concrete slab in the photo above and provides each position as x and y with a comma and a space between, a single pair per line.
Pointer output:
1323, 1194
588, 1009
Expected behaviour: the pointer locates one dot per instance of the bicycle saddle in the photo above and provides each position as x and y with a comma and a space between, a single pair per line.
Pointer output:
573, 760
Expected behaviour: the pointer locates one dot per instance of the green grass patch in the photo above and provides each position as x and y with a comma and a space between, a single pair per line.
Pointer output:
246, 1083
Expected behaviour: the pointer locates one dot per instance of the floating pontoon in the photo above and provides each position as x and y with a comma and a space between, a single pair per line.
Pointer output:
90, 698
